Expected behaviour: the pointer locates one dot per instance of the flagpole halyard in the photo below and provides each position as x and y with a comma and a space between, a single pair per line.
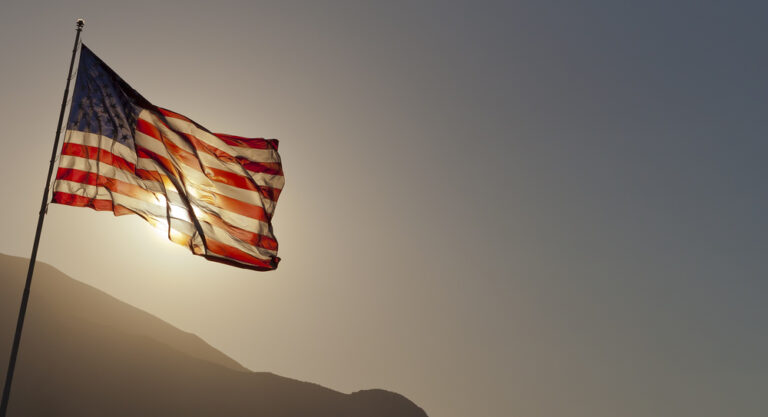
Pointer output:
25, 297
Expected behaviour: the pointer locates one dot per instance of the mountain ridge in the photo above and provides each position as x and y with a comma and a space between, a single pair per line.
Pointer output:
87, 353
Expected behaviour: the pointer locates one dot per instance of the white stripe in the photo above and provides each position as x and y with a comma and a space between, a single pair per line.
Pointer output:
183, 126
109, 171
158, 214
201, 185
222, 236
204, 200
156, 211
181, 226
160, 190
200, 207
204, 158
103, 142
260, 178
198, 193
151, 144
179, 221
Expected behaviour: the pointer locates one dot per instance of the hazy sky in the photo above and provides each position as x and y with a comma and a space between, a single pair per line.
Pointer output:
513, 209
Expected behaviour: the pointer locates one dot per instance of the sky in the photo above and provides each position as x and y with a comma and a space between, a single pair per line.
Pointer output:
501, 209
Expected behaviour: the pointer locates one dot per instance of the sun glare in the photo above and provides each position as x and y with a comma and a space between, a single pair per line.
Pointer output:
179, 213
160, 228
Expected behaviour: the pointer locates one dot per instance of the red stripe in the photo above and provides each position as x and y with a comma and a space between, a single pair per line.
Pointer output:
97, 154
199, 145
239, 181
149, 175
239, 207
214, 246
270, 192
168, 113
251, 238
96, 204
80, 201
273, 168
119, 187
143, 152
102, 155
225, 202
221, 155
255, 143
111, 184
221, 249
163, 161
189, 159
135, 191
148, 129
228, 203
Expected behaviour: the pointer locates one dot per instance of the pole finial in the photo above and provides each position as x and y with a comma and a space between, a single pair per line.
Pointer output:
80, 24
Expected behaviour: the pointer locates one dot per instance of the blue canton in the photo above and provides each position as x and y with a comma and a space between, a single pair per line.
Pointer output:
102, 102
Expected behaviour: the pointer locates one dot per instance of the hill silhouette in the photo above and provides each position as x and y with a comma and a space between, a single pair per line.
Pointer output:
85, 353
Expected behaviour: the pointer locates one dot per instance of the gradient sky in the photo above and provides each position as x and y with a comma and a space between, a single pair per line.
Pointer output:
513, 209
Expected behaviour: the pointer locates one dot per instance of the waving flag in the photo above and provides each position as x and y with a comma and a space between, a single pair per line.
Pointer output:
211, 192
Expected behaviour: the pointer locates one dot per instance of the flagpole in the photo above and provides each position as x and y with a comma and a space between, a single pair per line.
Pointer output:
25, 297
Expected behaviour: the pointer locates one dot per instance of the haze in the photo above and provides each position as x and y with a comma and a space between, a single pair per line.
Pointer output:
502, 209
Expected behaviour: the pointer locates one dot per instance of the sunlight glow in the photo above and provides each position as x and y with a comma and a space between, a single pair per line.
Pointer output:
179, 213
161, 228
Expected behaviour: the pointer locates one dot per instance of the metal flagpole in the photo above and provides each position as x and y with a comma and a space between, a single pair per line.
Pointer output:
25, 296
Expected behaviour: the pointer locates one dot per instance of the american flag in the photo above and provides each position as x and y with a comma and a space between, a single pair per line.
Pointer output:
211, 192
